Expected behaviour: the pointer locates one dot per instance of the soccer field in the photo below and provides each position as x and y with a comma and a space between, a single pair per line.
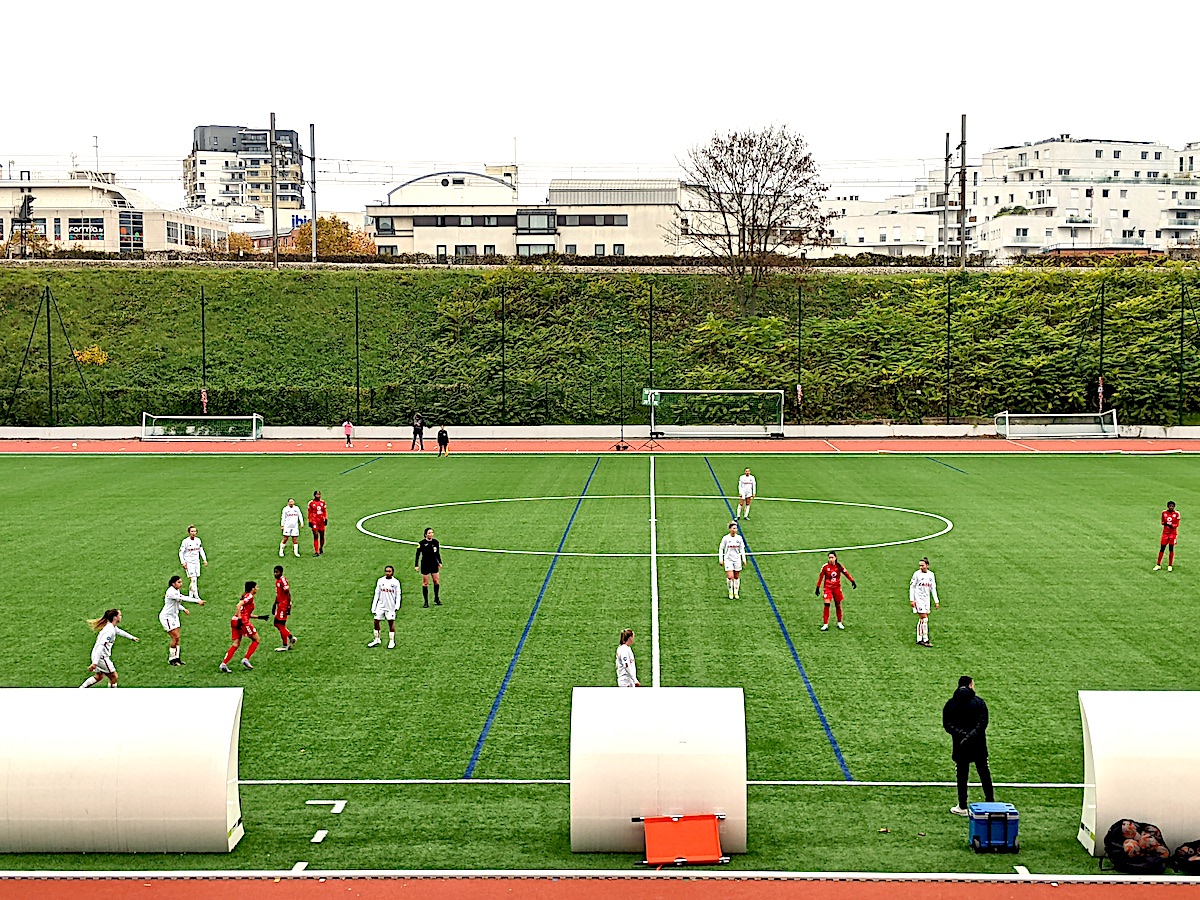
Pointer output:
1045, 579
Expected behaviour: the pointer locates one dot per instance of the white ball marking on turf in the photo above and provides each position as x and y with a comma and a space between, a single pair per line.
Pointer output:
948, 525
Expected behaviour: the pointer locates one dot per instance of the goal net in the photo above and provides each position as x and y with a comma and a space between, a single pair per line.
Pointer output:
716, 413
201, 428
1057, 425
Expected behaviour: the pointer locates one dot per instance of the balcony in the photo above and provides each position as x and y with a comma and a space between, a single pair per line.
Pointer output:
1023, 164
1130, 241
1181, 223
1077, 222
1183, 204
1018, 239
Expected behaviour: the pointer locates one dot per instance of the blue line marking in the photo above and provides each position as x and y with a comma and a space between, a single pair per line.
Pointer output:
360, 465
947, 465
837, 751
487, 726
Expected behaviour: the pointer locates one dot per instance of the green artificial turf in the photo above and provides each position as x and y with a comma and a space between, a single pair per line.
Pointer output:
1045, 580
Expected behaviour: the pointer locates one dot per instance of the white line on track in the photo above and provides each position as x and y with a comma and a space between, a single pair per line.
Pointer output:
655, 662
836, 449
948, 525
1023, 446
260, 782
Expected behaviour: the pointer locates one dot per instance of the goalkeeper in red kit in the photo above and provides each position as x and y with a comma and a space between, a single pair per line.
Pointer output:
317, 520
1170, 524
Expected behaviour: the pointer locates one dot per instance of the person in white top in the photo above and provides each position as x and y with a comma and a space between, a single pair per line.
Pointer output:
747, 488
626, 667
289, 524
191, 555
732, 555
102, 665
383, 607
921, 589
169, 617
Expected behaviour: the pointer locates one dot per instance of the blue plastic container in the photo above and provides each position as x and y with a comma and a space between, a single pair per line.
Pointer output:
993, 828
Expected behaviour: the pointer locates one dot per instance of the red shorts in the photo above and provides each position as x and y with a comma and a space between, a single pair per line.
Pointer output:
239, 629
833, 593
317, 526
1168, 537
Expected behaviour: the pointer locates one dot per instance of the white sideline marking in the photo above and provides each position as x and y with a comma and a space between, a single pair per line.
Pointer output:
260, 782
338, 805
948, 525
914, 784
655, 665
300, 866
1021, 870
319, 836
835, 449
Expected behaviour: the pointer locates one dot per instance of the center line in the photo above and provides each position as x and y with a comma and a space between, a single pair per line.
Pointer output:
654, 660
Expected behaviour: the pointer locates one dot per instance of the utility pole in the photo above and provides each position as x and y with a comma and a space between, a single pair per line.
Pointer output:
274, 195
946, 208
312, 181
962, 196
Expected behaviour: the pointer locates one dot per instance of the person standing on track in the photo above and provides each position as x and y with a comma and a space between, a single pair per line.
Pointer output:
830, 582
921, 588
428, 562
626, 667
443, 441
732, 554
348, 430
102, 665
1170, 524
747, 488
418, 441
383, 607
169, 617
318, 518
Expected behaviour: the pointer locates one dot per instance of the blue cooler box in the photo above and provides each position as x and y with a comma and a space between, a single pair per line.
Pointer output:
994, 827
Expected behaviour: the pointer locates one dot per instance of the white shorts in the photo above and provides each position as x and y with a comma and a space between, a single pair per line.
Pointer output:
733, 565
922, 606
104, 666
193, 569
383, 611
746, 495
291, 531
170, 621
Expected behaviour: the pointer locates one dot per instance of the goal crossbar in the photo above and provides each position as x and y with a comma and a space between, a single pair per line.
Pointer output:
1057, 425
719, 412
201, 428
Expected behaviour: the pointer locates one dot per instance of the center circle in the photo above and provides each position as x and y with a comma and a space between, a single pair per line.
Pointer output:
946, 524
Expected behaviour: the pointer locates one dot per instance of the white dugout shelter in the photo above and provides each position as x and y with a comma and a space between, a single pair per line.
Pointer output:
666, 751
134, 770
1141, 761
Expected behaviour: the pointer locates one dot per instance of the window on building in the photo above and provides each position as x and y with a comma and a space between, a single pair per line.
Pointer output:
172, 232
568, 220
1158, 234
1, 229
1124, 214
896, 233
189, 235
1022, 232
1116, 173
1104, 192
1127, 233
618, 249
599, 250
58, 229
621, 220
1137, 174
92, 229
1151, 174
883, 235
203, 161
569, 250
1112, 213
1116, 154
465, 221
1157, 154
458, 181
534, 249
536, 221
1189, 195
1099, 154
1064, 171
1141, 232
206, 237
441, 251
490, 221
489, 249
385, 225
463, 250
862, 235
1124, 193
439, 222
387, 250
920, 233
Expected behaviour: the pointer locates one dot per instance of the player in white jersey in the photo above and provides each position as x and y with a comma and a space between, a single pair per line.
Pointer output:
921, 589
383, 607
289, 524
626, 667
169, 617
191, 555
747, 488
732, 555
102, 665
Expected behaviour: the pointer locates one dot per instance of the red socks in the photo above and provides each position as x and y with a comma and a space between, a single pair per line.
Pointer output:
839, 611
229, 655
252, 648
825, 619
285, 634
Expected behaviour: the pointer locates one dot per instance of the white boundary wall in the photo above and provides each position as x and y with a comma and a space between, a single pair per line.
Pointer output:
655, 752
135, 770
1140, 761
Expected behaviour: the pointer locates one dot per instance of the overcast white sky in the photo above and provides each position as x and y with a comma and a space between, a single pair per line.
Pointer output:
613, 89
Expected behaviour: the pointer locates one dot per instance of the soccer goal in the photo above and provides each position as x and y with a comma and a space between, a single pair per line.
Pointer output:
716, 413
1057, 425
201, 428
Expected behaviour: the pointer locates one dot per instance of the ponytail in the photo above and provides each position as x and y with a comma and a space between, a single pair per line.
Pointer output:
626, 635
109, 615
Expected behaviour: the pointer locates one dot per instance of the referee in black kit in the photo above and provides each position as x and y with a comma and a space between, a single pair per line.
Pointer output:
428, 562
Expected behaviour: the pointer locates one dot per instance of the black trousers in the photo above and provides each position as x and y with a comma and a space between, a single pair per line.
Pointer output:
418, 438
963, 770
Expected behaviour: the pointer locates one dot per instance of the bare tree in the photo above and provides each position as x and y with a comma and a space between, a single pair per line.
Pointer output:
748, 196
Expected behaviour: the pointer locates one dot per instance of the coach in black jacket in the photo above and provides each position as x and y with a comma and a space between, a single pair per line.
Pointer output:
965, 718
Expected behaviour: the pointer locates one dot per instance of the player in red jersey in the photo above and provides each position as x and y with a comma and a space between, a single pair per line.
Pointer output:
830, 581
317, 520
1170, 524
282, 608
240, 626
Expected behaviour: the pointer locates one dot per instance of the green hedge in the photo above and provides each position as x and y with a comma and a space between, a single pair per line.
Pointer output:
874, 346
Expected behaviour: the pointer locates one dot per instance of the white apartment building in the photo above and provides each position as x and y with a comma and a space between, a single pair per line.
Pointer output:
228, 172
91, 211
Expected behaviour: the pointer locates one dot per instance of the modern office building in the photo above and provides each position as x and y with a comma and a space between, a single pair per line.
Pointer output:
229, 171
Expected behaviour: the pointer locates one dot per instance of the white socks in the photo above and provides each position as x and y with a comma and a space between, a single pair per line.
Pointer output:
172, 653
922, 630
193, 591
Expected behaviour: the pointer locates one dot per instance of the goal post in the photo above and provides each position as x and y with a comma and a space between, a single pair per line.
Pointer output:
201, 428
1057, 425
715, 413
